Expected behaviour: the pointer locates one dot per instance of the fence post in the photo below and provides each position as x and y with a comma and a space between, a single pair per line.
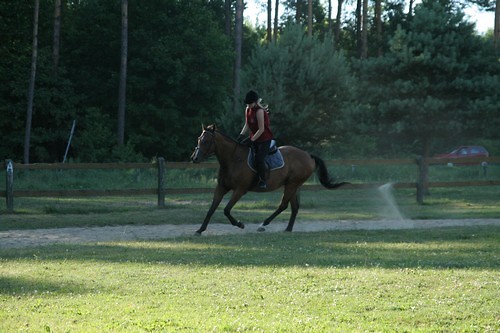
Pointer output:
485, 168
161, 182
420, 179
9, 185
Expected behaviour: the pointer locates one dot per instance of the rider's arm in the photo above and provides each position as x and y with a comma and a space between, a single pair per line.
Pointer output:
244, 130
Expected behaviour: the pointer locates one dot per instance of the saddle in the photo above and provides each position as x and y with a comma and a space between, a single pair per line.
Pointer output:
274, 160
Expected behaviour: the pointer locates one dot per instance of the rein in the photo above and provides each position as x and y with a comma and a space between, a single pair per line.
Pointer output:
231, 139
227, 137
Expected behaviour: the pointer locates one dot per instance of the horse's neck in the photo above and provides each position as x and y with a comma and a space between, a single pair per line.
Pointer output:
225, 150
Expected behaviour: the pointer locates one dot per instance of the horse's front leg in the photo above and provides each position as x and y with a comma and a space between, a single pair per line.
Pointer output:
219, 193
237, 194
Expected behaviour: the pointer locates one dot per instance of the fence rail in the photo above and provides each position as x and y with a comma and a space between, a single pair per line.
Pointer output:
420, 183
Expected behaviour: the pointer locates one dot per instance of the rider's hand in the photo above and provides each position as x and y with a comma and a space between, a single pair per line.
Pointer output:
247, 142
240, 138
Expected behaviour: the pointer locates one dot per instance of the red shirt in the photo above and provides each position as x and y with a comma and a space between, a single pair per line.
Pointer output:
251, 119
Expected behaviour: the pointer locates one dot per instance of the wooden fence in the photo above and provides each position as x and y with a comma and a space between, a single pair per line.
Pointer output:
161, 190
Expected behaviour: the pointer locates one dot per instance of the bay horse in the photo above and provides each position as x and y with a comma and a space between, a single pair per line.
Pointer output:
235, 174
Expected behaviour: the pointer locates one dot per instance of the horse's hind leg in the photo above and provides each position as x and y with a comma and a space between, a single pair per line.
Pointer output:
287, 196
294, 203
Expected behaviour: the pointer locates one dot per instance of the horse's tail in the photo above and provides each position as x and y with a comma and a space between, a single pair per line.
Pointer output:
324, 178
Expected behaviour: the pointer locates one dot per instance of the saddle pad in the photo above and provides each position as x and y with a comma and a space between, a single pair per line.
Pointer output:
274, 160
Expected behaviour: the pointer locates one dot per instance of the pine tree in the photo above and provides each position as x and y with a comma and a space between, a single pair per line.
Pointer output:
305, 84
427, 88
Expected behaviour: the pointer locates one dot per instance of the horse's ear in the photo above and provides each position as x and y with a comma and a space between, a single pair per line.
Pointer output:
202, 127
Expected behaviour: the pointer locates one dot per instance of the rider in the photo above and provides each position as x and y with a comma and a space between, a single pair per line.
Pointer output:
257, 121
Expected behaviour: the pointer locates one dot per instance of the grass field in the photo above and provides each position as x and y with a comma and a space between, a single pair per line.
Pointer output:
443, 203
201, 177
450, 203
438, 280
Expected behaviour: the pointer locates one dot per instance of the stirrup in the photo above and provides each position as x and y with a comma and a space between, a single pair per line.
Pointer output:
262, 184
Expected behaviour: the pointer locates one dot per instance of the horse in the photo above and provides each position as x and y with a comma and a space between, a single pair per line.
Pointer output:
235, 174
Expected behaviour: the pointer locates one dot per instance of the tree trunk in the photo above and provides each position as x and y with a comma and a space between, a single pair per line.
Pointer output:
269, 21
57, 35
310, 19
358, 26
410, 9
364, 31
298, 6
338, 23
496, 31
276, 7
31, 89
237, 61
330, 25
378, 19
227, 14
123, 75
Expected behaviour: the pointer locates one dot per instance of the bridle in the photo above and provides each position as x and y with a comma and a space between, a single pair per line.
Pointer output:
198, 150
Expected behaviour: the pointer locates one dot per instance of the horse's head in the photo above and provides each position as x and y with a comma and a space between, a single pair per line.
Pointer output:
206, 144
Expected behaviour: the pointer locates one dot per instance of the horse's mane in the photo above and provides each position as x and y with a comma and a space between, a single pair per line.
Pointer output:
213, 128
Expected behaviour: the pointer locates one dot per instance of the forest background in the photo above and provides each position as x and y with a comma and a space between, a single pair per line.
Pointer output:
389, 78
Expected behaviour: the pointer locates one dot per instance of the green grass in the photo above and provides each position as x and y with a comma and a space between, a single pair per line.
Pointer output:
439, 280
189, 178
442, 203
467, 202
109, 179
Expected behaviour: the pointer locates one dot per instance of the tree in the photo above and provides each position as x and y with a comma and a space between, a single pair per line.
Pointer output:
491, 5
359, 27
305, 83
123, 74
410, 8
237, 60
16, 19
57, 34
330, 21
227, 17
496, 33
31, 89
276, 11
309, 18
364, 31
269, 35
338, 22
427, 90
54, 99
298, 11
178, 73
378, 24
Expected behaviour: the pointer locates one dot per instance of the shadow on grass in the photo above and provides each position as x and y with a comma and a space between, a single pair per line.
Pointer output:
32, 286
443, 248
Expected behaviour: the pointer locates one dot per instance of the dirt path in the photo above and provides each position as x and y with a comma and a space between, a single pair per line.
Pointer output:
40, 237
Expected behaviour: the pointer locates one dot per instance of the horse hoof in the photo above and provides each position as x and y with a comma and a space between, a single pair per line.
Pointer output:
241, 225
197, 234
261, 229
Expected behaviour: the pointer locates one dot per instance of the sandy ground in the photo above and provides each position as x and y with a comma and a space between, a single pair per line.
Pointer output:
40, 237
